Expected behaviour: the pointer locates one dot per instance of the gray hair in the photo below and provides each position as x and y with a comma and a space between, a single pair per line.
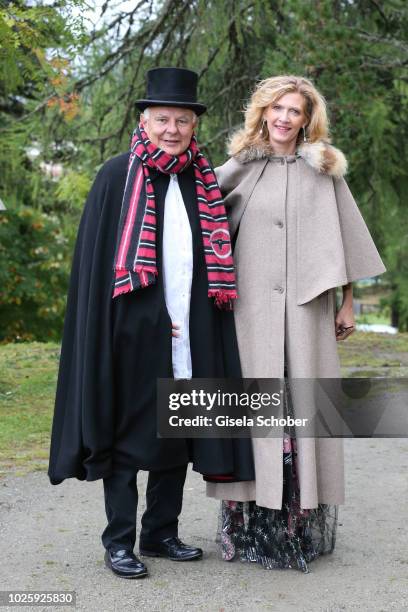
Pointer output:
146, 113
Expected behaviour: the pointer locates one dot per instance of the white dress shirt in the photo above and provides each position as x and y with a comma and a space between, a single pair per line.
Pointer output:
178, 275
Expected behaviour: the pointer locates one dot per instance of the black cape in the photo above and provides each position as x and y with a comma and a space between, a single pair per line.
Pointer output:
113, 350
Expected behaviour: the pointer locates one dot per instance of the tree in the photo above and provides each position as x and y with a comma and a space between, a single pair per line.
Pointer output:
36, 44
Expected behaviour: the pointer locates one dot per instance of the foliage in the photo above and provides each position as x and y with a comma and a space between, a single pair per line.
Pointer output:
33, 275
32, 65
36, 47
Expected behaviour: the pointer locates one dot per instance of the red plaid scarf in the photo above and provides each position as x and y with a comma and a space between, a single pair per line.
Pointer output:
135, 259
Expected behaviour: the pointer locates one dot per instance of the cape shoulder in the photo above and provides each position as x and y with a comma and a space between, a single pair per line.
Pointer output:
333, 248
108, 185
114, 168
230, 174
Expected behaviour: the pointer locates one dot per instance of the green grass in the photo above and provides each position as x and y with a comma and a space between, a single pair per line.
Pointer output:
28, 373
27, 387
370, 318
378, 354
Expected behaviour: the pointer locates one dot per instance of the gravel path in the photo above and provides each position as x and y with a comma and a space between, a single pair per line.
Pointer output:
50, 540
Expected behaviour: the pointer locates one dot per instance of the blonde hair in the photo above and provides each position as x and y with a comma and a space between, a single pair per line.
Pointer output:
269, 91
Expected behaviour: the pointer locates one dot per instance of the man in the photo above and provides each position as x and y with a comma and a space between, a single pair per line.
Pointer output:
152, 248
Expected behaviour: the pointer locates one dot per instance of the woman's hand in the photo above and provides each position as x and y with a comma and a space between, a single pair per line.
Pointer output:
175, 330
345, 323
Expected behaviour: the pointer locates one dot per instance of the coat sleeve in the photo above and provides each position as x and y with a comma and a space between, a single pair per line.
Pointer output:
82, 431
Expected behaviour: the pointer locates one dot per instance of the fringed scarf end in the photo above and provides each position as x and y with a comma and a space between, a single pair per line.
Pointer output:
141, 277
119, 290
223, 299
143, 272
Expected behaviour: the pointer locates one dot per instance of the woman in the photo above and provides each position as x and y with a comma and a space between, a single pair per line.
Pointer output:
299, 235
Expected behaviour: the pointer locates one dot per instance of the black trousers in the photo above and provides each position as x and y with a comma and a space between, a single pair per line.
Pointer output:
164, 498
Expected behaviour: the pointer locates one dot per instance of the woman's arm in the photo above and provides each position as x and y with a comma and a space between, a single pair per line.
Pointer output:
344, 323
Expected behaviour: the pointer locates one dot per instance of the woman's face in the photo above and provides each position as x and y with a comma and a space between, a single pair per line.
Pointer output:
284, 118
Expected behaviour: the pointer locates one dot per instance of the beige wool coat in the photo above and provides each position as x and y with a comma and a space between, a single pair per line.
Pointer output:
300, 235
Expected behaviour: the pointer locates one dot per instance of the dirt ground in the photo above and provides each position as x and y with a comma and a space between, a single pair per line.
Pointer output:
50, 540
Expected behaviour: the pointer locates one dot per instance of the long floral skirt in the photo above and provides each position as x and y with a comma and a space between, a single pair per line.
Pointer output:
286, 538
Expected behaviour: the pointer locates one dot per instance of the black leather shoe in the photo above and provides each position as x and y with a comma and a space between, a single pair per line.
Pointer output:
171, 548
125, 564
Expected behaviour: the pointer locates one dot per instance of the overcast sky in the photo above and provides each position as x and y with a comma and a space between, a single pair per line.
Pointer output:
92, 14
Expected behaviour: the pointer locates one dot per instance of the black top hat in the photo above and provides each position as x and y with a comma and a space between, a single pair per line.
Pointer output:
172, 87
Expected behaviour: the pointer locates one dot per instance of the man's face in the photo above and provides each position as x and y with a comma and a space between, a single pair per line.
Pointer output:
169, 127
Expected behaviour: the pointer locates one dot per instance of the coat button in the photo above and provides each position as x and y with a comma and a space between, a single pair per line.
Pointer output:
279, 289
279, 224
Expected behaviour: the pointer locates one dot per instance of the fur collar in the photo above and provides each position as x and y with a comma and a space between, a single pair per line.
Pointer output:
320, 155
